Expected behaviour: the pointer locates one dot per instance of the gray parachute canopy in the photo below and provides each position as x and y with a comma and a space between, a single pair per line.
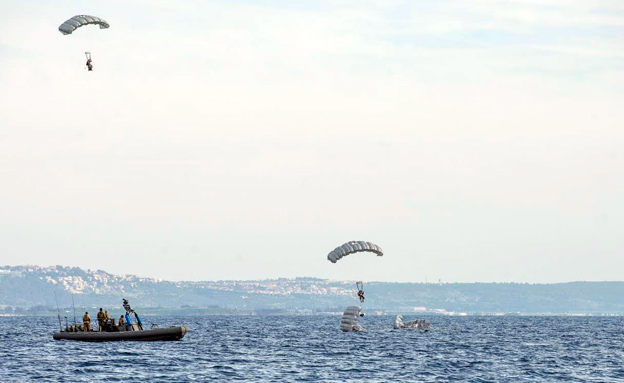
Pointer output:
348, 322
353, 247
78, 21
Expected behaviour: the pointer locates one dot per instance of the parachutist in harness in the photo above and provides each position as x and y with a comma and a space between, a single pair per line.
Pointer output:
360, 286
89, 62
361, 295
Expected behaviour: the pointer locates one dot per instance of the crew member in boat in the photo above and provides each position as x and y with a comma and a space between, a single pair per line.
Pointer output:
100, 318
86, 321
122, 322
106, 317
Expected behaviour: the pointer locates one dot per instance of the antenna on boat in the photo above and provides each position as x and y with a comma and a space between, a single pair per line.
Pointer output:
74, 306
58, 312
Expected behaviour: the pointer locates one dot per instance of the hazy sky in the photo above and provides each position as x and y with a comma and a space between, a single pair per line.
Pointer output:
471, 140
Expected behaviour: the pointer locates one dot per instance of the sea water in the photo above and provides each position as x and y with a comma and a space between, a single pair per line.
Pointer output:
313, 349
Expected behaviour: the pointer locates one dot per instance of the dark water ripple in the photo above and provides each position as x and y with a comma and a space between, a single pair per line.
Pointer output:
312, 349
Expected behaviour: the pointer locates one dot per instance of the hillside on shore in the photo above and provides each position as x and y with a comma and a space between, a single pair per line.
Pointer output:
32, 289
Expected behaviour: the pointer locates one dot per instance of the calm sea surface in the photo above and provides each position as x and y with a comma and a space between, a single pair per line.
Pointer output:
312, 349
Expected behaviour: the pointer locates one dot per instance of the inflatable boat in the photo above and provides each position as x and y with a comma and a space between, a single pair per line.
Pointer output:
170, 333
126, 330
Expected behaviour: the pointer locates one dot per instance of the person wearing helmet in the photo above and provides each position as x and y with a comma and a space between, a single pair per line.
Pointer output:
100, 319
86, 321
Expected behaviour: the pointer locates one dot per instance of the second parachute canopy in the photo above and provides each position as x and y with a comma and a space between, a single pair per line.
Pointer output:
353, 247
80, 20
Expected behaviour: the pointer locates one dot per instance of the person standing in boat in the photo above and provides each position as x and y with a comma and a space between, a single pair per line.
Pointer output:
100, 318
86, 321
122, 322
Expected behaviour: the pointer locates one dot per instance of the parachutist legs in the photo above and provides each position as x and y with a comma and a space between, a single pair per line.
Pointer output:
361, 295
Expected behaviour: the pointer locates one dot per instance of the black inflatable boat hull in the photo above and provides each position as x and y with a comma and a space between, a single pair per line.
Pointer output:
159, 334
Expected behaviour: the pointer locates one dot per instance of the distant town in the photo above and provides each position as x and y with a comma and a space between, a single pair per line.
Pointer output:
35, 290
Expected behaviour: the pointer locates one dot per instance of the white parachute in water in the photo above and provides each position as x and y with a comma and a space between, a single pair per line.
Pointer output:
348, 322
353, 247
78, 21
420, 324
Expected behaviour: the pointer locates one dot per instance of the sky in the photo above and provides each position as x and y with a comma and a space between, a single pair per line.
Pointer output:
474, 141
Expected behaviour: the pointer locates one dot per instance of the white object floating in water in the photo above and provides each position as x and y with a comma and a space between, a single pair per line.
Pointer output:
349, 319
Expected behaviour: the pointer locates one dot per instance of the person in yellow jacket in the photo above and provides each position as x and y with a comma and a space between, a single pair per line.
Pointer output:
106, 317
86, 321
100, 318
122, 322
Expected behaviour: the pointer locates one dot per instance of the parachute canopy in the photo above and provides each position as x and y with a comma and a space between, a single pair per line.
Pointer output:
421, 324
353, 247
348, 322
80, 20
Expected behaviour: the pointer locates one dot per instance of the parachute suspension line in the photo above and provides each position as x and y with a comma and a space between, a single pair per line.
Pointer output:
88, 55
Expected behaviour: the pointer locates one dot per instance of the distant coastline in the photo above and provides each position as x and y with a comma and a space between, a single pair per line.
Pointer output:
31, 290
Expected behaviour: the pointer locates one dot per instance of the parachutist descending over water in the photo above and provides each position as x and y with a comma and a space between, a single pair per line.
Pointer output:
352, 247
70, 25
89, 62
361, 296
360, 287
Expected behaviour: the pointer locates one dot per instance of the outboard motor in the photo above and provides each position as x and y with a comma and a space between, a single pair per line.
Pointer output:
138, 326
128, 322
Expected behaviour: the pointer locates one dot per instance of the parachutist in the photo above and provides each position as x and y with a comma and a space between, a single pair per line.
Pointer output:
89, 65
361, 295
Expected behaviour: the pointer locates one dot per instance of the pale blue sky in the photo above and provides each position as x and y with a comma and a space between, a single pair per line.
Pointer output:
472, 140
